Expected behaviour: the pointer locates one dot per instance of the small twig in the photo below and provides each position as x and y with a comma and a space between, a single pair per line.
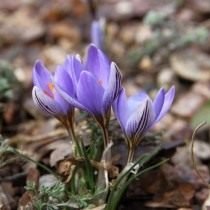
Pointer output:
13, 177
25, 157
54, 135
103, 172
192, 153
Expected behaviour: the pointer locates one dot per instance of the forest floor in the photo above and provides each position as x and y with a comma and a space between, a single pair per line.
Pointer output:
155, 44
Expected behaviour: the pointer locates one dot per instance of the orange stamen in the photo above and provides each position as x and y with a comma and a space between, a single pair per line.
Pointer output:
100, 82
50, 89
51, 86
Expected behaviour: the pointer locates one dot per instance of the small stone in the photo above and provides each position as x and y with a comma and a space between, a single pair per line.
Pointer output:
202, 88
191, 65
127, 34
177, 129
124, 7
201, 149
143, 33
145, 63
65, 30
47, 180
54, 54
112, 30
186, 15
66, 44
29, 27
166, 77
118, 49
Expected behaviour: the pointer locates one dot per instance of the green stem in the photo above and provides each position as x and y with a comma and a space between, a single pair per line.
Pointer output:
89, 170
130, 155
105, 136
117, 196
103, 180
82, 153
69, 124
122, 179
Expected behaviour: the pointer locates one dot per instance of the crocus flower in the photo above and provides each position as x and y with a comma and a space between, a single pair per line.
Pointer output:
97, 34
138, 113
97, 83
44, 93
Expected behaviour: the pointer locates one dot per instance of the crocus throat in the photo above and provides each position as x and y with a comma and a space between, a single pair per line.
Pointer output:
100, 82
50, 89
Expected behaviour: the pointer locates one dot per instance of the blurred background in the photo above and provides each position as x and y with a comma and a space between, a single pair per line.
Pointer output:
156, 43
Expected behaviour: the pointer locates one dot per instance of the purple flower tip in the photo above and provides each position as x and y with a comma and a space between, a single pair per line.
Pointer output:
97, 34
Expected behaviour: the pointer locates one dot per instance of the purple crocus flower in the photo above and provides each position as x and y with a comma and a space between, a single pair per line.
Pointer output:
97, 83
138, 113
44, 93
97, 34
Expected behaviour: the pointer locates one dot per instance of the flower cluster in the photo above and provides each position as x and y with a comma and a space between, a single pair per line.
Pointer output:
94, 85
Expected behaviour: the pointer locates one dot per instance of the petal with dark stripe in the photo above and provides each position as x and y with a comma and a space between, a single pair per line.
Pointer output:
113, 87
45, 102
139, 121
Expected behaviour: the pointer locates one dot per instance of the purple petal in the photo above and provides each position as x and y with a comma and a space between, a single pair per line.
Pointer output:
113, 88
74, 67
120, 108
71, 100
41, 76
90, 93
45, 102
140, 120
98, 64
62, 78
169, 97
96, 34
135, 101
158, 102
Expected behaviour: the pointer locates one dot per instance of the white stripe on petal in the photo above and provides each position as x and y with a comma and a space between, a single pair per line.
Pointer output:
45, 102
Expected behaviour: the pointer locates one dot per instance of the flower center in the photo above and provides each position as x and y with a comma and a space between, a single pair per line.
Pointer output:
51, 86
50, 89
100, 82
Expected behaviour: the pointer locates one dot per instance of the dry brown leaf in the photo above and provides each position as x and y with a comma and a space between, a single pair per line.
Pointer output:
187, 104
101, 207
26, 200
29, 26
180, 196
191, 65
61, 150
